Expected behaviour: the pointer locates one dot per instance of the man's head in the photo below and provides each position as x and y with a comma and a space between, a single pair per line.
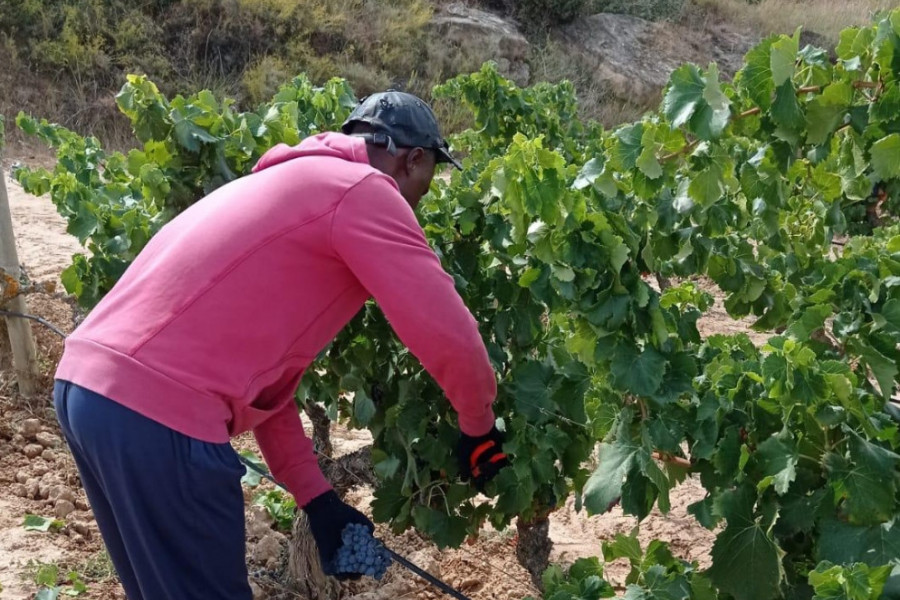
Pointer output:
403, 140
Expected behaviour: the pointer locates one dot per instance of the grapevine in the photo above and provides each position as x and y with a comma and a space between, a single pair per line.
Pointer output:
553, 232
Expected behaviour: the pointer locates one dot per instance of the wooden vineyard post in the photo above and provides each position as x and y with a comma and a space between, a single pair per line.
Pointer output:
20, 336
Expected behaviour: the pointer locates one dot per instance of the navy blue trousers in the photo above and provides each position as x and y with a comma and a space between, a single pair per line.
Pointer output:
170, 507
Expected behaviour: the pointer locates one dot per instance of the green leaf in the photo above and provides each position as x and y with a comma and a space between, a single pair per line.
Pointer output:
532, 390
515, 490
191, 137
887, 107
563, 273
649, 164
746, 562
251, 478
84, 223
530, 275
799, 511
640, 373
697, 102
786, 110
842, 582
665, 586
629, 148
685, 92
389, 502
854, 41
385, 466
623, 546
891, 312
605, 485
363, 408
651, 470
886, 157
778, 458
47, 575
884, 368
586, 567
618, 251
707, 186
756, 75
702, 511
445, 530
37, 523
47, 594
845, 543
711, 118
26, 123
825, 112
588, 174
867, 482
702, 588
71, 280
783, 58
812, 319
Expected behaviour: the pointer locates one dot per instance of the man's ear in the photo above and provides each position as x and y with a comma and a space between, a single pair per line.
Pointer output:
415, 159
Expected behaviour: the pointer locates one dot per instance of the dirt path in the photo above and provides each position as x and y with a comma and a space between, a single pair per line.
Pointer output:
42, 242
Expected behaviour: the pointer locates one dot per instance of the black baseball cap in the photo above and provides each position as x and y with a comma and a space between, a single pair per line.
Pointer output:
400, 120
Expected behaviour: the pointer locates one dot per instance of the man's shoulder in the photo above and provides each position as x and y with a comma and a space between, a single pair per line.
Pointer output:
371, 181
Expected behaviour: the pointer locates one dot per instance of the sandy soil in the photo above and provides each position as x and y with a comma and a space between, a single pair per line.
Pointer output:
47, 483
43, 245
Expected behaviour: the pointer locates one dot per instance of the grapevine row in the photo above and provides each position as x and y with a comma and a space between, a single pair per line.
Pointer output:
551, 233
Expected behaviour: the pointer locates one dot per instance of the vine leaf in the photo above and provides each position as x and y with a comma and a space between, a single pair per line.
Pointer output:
886, 157
778, 458
640, 373
746, 561
605, 485
866, 481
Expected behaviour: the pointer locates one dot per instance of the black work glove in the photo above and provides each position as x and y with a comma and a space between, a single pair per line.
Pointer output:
481, 458
328, 515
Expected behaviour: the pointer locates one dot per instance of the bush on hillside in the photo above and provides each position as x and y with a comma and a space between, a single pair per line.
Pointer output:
652, 10
539, 14
236, 47
552, 12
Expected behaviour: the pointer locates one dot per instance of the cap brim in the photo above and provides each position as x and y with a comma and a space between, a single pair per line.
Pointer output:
444, 156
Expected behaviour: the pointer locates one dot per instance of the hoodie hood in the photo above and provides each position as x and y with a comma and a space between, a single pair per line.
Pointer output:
335, 145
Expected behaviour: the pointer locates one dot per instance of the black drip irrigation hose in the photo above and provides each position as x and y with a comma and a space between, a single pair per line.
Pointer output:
18, 315
447, 589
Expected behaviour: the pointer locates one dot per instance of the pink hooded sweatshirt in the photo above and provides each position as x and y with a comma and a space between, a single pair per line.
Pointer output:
211, 328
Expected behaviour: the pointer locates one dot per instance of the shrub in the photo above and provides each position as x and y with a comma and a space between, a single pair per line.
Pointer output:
542, 13
652, 10
80, 50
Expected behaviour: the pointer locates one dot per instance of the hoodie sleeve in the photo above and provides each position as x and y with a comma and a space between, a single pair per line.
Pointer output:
376, 234
286, 448
289, 454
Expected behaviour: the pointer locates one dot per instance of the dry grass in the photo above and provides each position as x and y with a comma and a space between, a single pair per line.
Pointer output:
825, 17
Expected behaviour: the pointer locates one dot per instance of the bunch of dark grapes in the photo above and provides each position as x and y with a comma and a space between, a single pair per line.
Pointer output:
361, 553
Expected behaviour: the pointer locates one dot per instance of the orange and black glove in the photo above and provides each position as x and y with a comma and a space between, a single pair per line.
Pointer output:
481, 457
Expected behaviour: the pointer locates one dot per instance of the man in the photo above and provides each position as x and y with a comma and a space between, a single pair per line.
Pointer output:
209, 331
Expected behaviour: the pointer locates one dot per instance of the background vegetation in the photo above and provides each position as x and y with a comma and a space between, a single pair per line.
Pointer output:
66, 58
